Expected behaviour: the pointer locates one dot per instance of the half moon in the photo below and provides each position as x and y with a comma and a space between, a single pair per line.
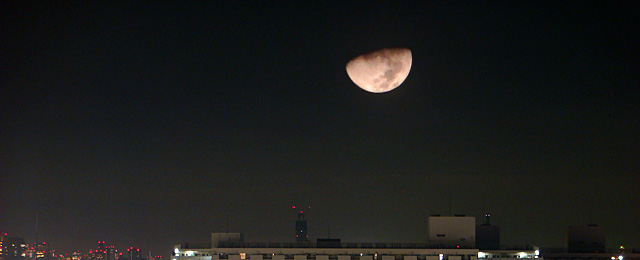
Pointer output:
380, 71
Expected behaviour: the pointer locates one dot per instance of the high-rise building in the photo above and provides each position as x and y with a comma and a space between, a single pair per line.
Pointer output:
111, 253
42, 251
14, 248
301, 227
3, 237
98, 254
133, 253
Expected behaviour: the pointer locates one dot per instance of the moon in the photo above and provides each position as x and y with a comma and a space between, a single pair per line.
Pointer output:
380, 71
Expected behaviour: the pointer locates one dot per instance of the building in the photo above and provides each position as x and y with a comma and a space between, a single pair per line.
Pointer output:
562, 254
450, 238
457, 231
133, 254
42, 251
585, 239
588, 243
487, 235
301, 228
228, 239
77, 255
99, 253
14, 248
510, 254
3, 238
240, 250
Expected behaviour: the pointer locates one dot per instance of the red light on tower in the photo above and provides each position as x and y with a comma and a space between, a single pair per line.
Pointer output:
293, 207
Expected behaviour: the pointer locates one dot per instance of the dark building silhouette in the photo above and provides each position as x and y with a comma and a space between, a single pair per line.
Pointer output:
487, 235
585, 239
328, 242
133, 253
301, 228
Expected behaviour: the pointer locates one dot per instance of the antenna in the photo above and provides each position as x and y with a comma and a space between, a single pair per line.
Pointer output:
227, 223
36, 233
449, 203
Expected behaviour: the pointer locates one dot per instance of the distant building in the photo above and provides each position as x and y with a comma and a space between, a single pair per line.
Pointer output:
450, 238
14, 248
99, 253
487, 235
3, 238
585, 239
111, 253
458, 231
301, 228
219, 239
323, 250
558, 254
77, 255
42, 251
510, 254
328, 242
133, 253
587, 243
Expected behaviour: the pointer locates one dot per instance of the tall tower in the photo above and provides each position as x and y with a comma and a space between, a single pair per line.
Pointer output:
301, 227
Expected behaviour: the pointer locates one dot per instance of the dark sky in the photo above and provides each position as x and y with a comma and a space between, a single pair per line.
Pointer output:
152, 124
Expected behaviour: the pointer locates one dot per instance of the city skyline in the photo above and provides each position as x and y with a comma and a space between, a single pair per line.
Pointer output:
151, 124
45, 251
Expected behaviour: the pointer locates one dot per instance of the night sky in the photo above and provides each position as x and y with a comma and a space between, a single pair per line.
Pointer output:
151, 124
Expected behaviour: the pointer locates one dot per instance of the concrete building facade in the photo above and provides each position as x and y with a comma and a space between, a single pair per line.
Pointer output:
311, 251
453, 231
